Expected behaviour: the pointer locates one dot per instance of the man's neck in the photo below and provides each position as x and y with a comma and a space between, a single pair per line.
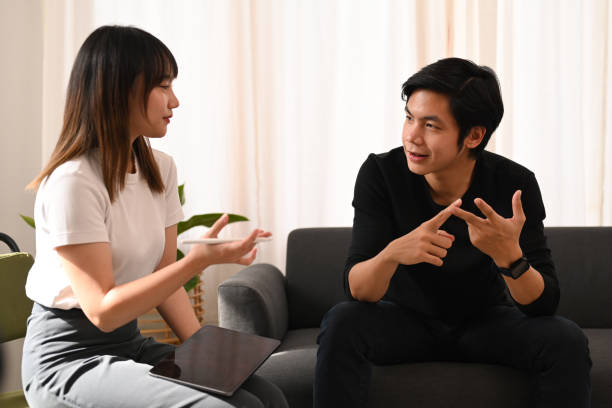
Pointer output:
452, 183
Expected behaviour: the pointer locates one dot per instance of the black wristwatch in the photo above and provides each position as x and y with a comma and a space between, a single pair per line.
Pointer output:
516, 269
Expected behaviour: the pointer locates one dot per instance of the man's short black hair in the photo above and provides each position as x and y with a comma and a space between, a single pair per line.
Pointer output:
473, 91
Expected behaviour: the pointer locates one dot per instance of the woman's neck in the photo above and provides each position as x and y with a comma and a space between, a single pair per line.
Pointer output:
132, 164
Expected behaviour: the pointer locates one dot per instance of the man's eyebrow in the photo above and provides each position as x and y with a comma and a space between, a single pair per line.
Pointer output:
433, 118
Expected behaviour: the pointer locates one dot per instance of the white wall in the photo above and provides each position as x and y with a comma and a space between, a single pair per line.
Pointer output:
20, 136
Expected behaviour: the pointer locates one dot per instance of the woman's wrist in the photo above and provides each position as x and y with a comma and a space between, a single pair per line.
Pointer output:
194, 264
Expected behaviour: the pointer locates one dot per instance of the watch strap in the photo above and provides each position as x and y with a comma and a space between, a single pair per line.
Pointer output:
517, 268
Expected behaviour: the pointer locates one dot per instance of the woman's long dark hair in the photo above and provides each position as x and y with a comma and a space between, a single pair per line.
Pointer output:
97, 109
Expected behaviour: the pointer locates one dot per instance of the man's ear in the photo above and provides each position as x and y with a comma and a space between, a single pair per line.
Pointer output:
474, 138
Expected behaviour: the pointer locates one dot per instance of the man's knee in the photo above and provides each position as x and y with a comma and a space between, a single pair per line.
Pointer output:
342, 322
564, 340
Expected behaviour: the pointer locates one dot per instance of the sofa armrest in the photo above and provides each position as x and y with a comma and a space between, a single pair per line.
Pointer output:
254, 301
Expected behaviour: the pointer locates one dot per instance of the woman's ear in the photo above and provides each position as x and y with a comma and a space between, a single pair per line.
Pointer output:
474, 138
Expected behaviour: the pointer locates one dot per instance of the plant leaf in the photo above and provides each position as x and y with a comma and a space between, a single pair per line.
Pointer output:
179, 254
28, 220
192, 283
206, 220
181, 192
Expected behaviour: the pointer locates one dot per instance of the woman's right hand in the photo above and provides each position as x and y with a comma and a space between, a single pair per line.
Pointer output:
240, 252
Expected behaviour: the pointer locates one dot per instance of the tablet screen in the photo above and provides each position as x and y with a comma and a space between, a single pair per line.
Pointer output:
216, 359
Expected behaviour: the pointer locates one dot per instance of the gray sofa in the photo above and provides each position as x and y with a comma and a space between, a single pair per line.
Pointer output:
261, 300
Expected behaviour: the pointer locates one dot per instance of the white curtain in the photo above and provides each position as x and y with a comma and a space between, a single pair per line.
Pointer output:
281, 101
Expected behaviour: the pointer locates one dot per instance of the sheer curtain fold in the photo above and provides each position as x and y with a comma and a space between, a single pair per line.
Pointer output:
66, 24
281, 101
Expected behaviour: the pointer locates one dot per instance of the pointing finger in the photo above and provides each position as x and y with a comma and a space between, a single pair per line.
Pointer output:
467, 216
440, 218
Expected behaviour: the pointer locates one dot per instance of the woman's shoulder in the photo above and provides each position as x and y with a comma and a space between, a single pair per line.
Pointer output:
163, 160
82, 169
81, 178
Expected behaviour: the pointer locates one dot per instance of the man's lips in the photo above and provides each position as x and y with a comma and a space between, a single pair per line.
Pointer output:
416, 157
415, 154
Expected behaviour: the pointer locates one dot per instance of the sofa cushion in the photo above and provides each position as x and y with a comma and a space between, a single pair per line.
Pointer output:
585, 273
428, 385
600, 346
292, 367
315, 283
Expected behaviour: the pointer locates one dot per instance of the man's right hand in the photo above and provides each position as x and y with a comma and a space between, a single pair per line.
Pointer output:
427, 243
369, 280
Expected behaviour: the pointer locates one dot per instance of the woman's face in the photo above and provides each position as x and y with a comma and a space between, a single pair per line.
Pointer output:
154, 121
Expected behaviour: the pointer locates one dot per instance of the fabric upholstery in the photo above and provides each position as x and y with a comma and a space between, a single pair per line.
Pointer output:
600, 346
315, 256
13, 399
315, 260
15, 307
258, 303
582, 259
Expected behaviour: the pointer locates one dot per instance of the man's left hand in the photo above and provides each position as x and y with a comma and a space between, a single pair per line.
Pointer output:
495, 235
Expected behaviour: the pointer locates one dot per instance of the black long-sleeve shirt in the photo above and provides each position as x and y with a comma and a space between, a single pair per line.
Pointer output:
391, 201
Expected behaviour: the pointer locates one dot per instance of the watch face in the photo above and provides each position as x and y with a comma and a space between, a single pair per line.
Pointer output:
520, 268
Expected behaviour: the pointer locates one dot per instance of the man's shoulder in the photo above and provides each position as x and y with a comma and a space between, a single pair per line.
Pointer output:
503, 167
387, 161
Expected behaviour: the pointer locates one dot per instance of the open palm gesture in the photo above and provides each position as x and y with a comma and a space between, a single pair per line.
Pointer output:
495, 235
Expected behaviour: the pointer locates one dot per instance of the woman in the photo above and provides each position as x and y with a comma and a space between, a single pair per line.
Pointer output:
106, 213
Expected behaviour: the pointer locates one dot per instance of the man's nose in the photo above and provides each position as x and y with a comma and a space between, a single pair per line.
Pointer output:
413, 134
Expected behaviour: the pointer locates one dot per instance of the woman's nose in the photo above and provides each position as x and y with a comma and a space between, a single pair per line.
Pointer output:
173, 102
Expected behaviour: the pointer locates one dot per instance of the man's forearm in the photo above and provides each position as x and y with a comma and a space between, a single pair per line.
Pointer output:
369, 280
527, 288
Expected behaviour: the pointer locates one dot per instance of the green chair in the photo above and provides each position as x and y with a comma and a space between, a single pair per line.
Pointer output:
15, 307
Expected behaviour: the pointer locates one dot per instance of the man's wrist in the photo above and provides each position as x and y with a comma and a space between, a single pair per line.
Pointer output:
386, 255
508, 258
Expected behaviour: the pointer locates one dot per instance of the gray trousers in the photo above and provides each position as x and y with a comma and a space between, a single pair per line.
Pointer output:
68, 362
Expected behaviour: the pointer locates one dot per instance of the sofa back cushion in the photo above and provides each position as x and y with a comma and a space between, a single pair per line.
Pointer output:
583, 260
582, 256
315, 265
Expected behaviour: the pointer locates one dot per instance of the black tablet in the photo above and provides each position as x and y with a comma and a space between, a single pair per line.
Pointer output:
215, 359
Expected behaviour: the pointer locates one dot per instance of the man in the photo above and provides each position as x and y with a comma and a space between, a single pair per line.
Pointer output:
441, 229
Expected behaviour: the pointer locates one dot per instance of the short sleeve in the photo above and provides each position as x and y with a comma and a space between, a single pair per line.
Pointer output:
174, 211
372, 222
73, 210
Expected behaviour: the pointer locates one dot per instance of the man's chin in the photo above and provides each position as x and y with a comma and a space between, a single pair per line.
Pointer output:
416, 168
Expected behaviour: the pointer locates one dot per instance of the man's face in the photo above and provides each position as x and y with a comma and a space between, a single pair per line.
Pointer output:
430, 134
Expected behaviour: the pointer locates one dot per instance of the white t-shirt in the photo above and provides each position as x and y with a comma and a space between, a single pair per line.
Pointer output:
73, 207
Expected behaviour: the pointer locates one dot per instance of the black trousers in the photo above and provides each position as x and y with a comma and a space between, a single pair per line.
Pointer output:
356, 334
